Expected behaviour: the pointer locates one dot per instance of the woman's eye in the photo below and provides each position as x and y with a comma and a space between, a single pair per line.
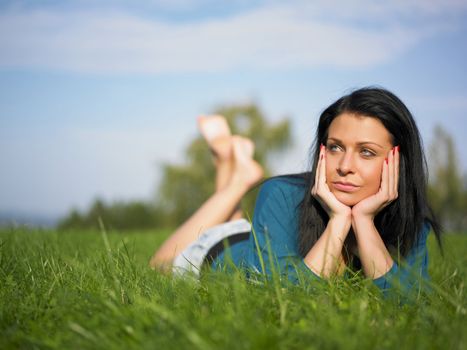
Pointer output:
333, 147
367, 153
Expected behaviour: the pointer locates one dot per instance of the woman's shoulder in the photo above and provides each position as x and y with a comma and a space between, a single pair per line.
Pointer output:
291, 187
277, 206
294, 182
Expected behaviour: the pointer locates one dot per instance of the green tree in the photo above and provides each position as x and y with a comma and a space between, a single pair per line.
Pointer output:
447, 188
185, 187
118, 215
73, 220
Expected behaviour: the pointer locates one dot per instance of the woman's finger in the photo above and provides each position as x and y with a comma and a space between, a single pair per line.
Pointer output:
317, 173
391, 179
322, 169
396, 170
385, 179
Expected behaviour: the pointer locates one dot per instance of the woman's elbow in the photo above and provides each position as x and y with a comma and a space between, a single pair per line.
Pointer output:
160, 262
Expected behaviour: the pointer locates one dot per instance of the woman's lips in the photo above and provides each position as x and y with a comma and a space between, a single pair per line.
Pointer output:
345, 186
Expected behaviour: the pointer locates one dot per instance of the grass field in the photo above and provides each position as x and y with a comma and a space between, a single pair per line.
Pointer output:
88, 290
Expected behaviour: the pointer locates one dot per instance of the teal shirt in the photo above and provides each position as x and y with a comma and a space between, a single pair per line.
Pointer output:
275, 228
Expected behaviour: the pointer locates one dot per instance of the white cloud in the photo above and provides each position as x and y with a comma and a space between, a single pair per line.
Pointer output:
291, 36
384, 11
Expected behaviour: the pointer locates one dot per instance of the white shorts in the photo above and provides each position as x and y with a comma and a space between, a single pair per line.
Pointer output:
192, 258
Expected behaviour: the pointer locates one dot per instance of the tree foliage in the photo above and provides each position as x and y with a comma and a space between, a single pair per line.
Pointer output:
447, 188
185, 187
116, 215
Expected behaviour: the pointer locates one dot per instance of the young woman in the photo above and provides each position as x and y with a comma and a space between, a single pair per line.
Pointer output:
362, 206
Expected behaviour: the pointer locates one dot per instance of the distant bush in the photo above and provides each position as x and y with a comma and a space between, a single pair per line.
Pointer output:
117, 215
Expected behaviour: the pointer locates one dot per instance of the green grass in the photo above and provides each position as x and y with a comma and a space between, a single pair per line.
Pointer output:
78, 290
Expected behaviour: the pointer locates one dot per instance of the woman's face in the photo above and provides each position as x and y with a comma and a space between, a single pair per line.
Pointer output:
355, 151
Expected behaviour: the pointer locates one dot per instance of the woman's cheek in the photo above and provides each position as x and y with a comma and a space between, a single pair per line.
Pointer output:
374, 178
330, 164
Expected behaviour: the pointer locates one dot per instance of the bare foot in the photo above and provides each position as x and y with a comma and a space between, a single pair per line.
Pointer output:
246, 169
216, 132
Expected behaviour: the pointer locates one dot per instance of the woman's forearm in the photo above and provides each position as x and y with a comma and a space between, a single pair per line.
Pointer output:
325, 257
374, 256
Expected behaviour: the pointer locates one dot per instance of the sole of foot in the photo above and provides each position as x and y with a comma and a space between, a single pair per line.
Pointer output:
216, 132
246, 168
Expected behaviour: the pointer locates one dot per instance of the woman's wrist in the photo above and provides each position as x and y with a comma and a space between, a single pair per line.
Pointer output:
361, 214
340, 225
362, 224
360, 218
343, 216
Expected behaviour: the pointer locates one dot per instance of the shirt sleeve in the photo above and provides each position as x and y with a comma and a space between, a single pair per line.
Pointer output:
274, 239
409, 275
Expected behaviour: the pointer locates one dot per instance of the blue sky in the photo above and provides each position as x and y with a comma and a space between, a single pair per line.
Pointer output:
95, 95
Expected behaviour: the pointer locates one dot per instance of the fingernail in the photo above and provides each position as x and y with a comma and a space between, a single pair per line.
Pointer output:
321, 146
387, 162
397, 148
393, 150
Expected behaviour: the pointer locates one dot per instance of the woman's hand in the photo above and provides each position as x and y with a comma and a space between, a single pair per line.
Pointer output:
323, 194
388, 191
325, 257
374, 255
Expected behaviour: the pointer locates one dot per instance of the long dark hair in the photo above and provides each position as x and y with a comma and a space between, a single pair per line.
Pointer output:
401, 222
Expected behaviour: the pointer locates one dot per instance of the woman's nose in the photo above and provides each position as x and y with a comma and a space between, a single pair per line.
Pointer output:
346, 164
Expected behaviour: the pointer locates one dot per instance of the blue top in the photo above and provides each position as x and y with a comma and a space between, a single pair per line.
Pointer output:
275, 229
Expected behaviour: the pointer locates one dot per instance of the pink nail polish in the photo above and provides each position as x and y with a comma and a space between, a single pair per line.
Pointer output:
387, 161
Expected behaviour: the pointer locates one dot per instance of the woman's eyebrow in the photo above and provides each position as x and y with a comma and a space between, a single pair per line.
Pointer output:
358, 143
369, 142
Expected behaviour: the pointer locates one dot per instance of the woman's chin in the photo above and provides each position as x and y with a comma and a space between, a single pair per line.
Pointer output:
348, 199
